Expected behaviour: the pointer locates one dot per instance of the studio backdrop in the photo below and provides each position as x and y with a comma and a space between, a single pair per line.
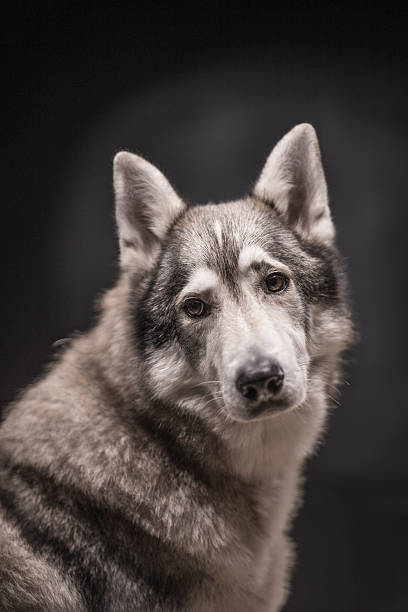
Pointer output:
208, 122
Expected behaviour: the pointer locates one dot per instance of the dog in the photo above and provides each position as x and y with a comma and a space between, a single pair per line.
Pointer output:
158, 463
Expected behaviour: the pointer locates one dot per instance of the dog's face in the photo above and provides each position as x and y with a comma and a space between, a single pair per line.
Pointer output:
234, 289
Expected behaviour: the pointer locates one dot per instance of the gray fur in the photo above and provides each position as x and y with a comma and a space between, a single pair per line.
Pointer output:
133, 475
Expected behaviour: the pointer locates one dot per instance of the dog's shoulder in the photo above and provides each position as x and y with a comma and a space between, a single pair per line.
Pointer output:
29, 582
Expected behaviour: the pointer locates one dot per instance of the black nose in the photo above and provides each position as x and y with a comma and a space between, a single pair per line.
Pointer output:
261, 380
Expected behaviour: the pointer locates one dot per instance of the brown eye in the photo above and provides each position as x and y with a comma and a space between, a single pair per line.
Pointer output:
276, 282
195, 308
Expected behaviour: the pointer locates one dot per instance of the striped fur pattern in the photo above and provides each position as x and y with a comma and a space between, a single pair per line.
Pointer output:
135, 475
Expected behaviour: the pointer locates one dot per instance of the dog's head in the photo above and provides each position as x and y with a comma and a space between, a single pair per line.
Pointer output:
242, 297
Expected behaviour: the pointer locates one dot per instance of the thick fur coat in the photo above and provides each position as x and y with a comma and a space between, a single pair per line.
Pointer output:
156, 466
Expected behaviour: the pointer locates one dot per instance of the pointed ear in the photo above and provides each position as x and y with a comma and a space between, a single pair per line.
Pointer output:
146, 206
293, 180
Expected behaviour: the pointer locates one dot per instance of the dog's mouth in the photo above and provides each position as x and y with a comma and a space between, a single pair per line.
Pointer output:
261, 412
268, 407
262, 408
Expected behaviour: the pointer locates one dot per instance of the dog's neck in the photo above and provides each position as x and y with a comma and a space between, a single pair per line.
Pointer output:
263, 451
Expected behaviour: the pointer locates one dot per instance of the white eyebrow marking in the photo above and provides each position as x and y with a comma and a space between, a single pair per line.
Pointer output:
202, 279
218, 232
252, 254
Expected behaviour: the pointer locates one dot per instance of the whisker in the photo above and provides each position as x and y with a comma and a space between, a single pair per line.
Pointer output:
333, 399
335, 387
209, 402
211, 394
206, 382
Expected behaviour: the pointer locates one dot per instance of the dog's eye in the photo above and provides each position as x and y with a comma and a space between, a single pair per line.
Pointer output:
195, 308
276, 282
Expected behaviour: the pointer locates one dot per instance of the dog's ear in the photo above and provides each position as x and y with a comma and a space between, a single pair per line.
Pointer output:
293, 180
146, 207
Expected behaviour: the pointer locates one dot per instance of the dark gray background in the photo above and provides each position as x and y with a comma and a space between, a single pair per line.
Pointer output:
204, 92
